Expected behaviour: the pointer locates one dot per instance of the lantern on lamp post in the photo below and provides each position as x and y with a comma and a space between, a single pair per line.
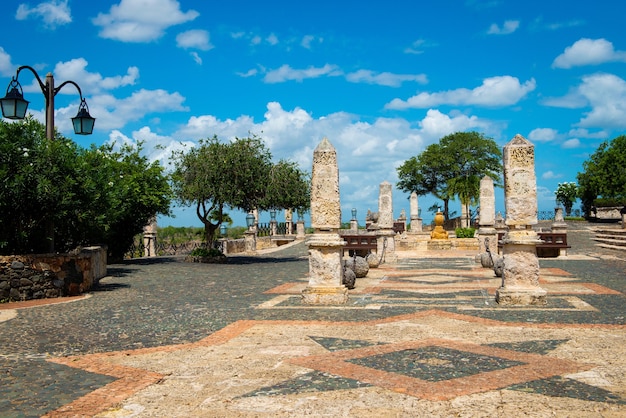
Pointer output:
14, 105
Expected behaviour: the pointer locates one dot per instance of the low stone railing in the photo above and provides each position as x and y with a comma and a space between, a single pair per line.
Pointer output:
39, 276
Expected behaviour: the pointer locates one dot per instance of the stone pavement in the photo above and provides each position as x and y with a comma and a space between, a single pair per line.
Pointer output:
422, 337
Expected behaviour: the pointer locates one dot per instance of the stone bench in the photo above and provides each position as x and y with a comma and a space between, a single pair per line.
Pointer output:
359, 244
554, 244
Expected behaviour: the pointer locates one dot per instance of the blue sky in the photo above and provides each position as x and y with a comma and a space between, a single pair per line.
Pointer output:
380, 80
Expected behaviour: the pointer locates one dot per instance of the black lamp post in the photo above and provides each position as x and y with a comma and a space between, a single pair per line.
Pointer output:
14, 105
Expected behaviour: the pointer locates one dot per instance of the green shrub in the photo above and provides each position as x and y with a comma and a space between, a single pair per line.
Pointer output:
464, 232
206, 252
609, 202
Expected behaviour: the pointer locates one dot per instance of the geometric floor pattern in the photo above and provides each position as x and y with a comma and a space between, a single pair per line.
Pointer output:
443, 342
437, 363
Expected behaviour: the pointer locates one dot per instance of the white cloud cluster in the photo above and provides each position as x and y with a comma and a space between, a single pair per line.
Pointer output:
287, 73
141, 20
587, 51
384, 78
53, 13
604, 93
194, 39
543, 135
494, 92
94, 83
6, 66
507, 28
384, 143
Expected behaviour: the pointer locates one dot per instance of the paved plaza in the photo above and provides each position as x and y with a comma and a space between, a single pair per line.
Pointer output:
420, 337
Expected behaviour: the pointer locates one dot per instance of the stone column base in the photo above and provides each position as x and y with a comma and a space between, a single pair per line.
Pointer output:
416, 226
521, 296
386, 245
250, 241
325, 295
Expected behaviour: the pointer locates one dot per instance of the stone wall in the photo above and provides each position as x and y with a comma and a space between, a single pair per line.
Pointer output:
38, 276
234, 246
606, 214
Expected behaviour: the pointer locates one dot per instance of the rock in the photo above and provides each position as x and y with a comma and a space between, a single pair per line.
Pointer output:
17, 265
349, 278
485, 260
358, 265
25, 282
372, 260
498, 266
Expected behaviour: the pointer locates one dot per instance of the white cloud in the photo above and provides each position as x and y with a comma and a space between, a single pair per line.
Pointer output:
549, 175
606, 93
154, 146
272, 39
587, 51
92, 83
507, 28
53, 13
494, 92
286, 73
194, 39
385, 78
437, 125
416, 47
196, 57
141, 20
114, 113
307, 40
6, 66
571, 143
543, 134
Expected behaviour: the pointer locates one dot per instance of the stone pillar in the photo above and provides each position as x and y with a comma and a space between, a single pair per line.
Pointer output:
487, 216
300, 230
150, 237
414, 213
385, 236
520, 274
559, 226
288, 222
465, 218
624, 218
250, 240
325, 245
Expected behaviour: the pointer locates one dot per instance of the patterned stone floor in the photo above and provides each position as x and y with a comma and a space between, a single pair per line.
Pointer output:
423, 337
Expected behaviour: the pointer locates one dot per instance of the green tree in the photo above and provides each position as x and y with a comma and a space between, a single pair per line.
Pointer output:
604, 173
123, 191
238, 175
452, 167
566, 194
86, 196
288, 187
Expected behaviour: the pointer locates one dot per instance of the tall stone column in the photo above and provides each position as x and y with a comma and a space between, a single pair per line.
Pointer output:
416, 221
150, 237
325, 245
520, 274
385, 236
487, 216
288, 222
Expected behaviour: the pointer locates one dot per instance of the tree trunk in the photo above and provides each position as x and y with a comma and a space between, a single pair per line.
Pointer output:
209, 234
